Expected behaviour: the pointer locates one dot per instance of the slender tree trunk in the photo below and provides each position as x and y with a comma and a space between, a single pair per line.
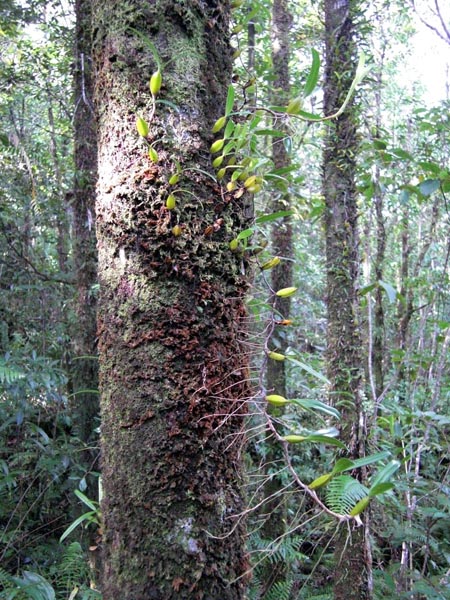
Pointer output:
281, 276
173, 377
352, 552
378, 199
85, 405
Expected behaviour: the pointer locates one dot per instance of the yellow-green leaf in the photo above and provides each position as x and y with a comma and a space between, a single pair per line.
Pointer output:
360, 506
276, 400
217, 146
320, 481
286, 292
155, 82
142, 127
219, 124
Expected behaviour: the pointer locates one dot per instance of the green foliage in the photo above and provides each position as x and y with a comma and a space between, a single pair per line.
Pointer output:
343, 492
269, 555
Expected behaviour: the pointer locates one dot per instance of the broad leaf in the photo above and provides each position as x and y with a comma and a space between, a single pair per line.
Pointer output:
429, 186
313, 76
389, 289
317, 405
273, 216
385, 474
245, 234
230, 100
89, 503
308, 369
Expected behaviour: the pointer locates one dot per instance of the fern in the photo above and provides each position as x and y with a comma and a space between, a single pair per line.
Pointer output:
288, 551
73, 570
343, 492
281, 590
9, 374
7, 585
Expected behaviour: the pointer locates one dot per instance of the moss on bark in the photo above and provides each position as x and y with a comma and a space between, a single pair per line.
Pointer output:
344, 351
170, 317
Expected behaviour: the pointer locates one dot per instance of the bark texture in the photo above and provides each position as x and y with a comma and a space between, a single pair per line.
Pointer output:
281, 277
172, 372
281, 238
85, 405
352, 553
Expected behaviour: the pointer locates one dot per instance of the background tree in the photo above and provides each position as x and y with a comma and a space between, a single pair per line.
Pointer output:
84, 366
173, 376
281, 277
344, 346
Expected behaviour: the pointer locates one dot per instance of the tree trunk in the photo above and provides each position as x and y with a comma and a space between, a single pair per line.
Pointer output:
85, 405
344, 351
173, 376
281, 277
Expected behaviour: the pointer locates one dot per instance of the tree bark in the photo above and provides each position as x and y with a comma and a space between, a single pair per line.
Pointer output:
281, 277
85, 405
173, 375
344, 348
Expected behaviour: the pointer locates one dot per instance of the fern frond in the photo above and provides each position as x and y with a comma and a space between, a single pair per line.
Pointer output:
343, 492
287, 550
281, 590
7, 584
73, 569
9, 374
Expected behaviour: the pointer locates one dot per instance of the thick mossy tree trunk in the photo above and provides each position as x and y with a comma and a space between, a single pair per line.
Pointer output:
344, 351
84, 375
172, 370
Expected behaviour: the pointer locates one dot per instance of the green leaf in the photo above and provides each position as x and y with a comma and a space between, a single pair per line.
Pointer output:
169, 104
360, 506
34, 586
380, 488
150, 45
317, 405
271, 132
389, 289
313, 76
325, 439
310, 116
343, 493
230, 100
89, 503
320, 481
429, 186
294, 438
229, 129
430, 166
367, 289
380, 144
369, 460
401, 153
90, 516
385, 474
343, 464
273, 216
308, 369
246, 233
